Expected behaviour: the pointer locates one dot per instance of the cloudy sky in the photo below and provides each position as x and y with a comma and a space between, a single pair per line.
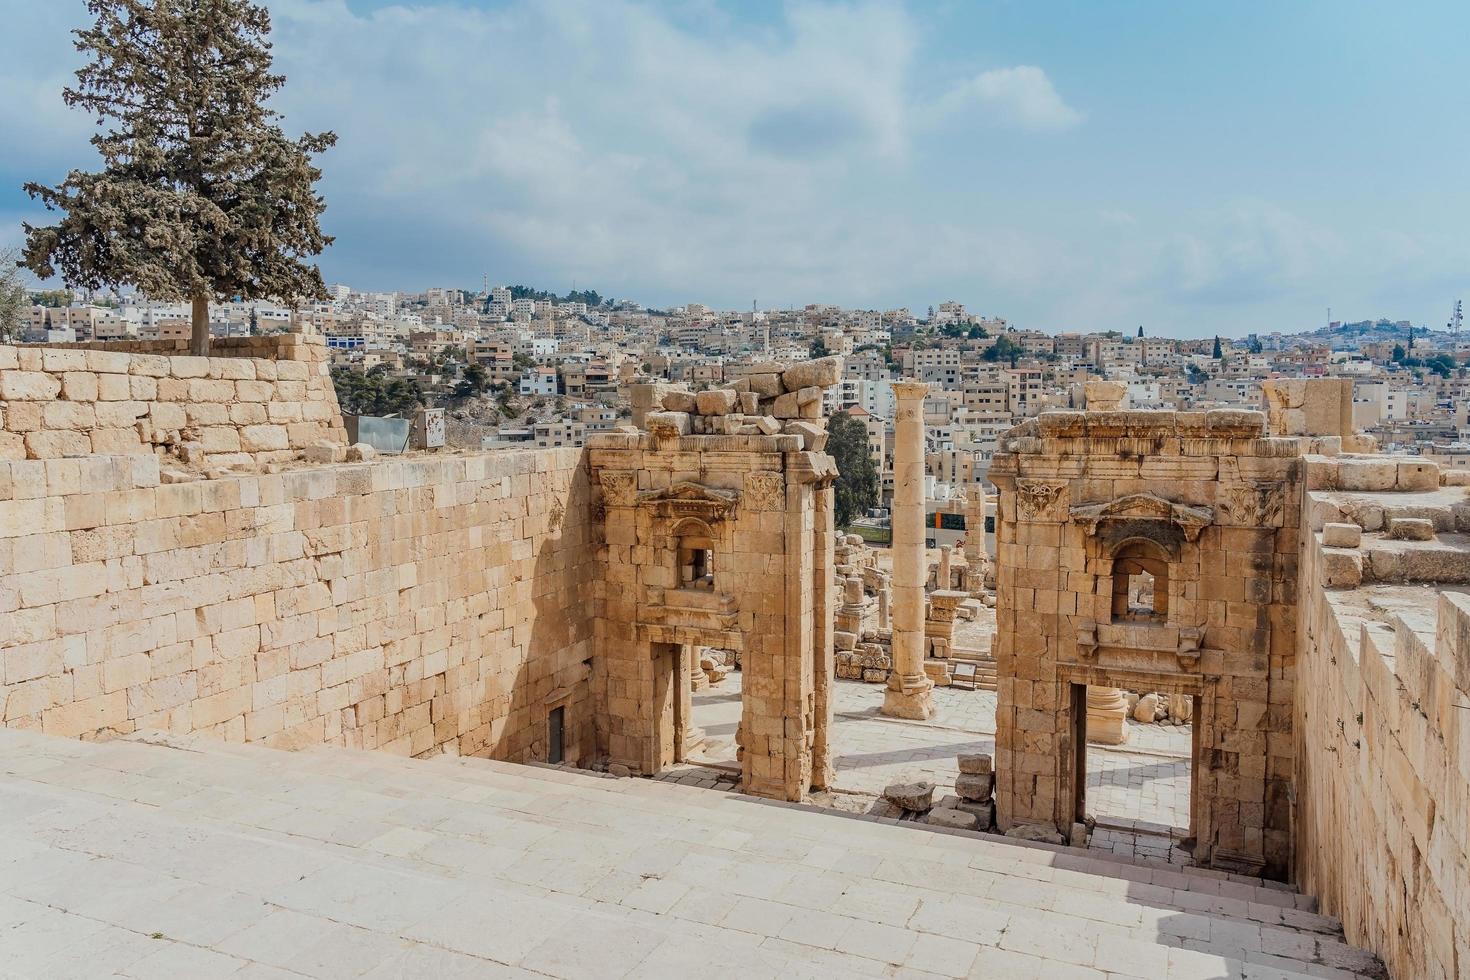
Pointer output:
1195, 168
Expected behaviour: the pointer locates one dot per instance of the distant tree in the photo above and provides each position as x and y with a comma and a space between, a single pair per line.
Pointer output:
1197, 375
819, 348
1254, 345
14, 304
1140, 330
856, 487
201, 196
54, 298
1218, 352
1440, 364
977, 332
472, 382
522, 361
952, 330
1411, 336
1399, 353
376, 394
1004, 349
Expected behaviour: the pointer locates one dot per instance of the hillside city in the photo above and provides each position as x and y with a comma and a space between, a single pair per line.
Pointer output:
515, 366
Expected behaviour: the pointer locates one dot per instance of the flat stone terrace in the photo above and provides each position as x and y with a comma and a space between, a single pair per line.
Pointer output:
173, 856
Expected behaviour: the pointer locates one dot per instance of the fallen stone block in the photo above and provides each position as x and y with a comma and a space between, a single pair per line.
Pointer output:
1411, 529
619, 770
324, 452
360, 452
814, 437
914, 797
975, 787
1342, 535
976, 763
1042, 832
824, 372
680, 401
766, 385
954, 819
716, 401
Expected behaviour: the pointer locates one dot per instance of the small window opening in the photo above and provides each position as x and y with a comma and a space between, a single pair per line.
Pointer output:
696, 564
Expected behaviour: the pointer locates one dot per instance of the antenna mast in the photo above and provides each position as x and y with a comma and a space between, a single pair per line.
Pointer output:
1454, 326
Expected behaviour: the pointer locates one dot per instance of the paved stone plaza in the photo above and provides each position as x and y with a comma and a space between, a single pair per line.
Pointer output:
1138, 789
177, 856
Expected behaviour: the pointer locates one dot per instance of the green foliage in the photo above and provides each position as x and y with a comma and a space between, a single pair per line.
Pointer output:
589, 296
1254, 346
1197, 376
200, 194
1440, 364
1399, 353
376, 392
952, 330
977, 332
472, 382
856, 487
14, 305
1004, 349
819, 348
1218, 352
522, 361
54, 298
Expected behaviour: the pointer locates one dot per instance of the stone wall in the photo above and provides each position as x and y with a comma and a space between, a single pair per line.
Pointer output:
1207, 503
258, 399
1383, 714
413, 605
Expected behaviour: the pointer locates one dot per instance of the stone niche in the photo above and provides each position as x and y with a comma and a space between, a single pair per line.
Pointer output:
718, 541
1150, 551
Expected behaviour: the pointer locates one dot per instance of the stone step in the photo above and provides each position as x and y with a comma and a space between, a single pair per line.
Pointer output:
214, 857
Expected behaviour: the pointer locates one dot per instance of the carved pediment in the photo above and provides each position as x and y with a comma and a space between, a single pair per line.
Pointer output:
1145, 506
686, 499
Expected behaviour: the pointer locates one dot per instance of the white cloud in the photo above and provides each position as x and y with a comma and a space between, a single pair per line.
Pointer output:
1022, 96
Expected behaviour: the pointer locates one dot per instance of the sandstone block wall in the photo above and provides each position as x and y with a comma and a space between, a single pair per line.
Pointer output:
1212, 500
1383, 736
413, 605
258, 399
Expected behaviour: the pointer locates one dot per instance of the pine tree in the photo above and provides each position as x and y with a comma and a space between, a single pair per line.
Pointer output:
201, 195
1140, 330
1218, 352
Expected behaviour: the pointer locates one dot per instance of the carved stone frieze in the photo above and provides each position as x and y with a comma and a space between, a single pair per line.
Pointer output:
1039, 501
1250, 505
765, 491
686, 499
618, 489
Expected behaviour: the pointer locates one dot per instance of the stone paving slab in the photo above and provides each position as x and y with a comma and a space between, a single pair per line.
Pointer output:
180, 857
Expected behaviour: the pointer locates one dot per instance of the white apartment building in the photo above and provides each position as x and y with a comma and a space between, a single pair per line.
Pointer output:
538, 381
874, 397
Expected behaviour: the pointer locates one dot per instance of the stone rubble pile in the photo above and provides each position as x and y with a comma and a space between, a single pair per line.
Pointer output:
973, 808
778, 401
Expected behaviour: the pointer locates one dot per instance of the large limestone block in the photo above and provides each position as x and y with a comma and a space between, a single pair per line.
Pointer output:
952, 819
915, 797
976, 763
716, 401
680, 401
1105, 396
1043, 832
1335, 535
975, 787
17, 386
765, 385
814, 436
824, 372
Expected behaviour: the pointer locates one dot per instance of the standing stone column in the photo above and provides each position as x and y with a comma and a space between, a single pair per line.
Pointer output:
942, 579
909, 688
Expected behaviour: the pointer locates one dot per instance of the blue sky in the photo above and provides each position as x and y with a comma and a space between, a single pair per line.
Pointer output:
1195, 168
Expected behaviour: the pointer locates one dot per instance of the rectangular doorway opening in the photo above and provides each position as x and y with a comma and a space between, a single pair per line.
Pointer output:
1134, 772
556, 735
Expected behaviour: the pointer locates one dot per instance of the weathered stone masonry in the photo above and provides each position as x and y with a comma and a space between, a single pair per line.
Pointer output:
1202, 502
414, 605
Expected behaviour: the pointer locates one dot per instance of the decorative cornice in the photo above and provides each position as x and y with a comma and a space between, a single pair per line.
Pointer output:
1145, 506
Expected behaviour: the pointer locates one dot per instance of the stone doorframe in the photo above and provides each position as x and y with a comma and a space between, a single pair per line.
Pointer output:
1197, 686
